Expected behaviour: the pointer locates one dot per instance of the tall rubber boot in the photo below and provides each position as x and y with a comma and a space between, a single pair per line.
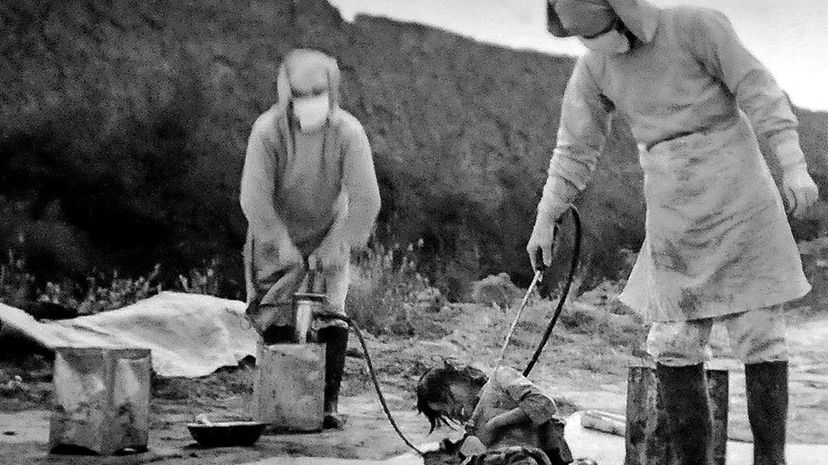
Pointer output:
689, 422
336, 340
767, 403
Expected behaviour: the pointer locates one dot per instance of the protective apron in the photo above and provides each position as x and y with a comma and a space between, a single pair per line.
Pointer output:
717, 239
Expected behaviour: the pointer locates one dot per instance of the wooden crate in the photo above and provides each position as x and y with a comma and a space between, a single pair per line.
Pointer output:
101, 400
289, 386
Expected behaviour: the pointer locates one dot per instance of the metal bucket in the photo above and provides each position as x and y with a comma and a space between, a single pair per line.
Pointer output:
102, 400
289, 386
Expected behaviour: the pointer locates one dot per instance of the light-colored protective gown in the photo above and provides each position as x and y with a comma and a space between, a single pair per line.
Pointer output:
717, 239
298, 186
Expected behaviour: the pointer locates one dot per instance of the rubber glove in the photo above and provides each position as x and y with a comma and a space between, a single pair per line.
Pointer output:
334, 251
550, 210
543, 235
800, 189
282, 251
557, 194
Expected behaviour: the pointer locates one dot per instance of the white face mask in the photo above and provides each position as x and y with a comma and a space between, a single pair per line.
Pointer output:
612, 41
311, 112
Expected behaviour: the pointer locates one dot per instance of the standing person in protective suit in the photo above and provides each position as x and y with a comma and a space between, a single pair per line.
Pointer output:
718, 246
309, 193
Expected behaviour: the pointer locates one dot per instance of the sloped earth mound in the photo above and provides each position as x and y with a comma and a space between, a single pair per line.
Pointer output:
583, 366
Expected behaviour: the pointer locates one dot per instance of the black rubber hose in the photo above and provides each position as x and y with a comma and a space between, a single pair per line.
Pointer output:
385, 408
574, 264
576, 251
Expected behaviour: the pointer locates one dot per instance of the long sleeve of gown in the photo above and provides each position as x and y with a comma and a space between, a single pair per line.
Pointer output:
359, 181
257, 188
582, 133
715, 44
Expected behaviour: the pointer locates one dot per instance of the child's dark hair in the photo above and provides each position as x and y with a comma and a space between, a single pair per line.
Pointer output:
433, 386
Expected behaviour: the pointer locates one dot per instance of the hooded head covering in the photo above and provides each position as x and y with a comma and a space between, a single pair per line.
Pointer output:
586, 18
310, 68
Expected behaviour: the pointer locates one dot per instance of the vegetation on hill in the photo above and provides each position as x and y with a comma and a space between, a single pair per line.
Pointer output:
123, 127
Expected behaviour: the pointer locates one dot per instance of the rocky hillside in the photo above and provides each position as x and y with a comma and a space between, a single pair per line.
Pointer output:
123, 128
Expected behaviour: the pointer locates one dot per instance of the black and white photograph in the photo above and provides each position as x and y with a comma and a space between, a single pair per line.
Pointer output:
414, 232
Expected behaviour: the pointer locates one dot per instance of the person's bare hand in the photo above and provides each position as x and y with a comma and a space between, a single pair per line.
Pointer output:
486, 432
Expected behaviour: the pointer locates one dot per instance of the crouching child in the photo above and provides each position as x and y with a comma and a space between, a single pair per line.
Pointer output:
506, 412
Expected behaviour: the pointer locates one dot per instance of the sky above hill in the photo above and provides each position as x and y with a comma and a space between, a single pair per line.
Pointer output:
790, 37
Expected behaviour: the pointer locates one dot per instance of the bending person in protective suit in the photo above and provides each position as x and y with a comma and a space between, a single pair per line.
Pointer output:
309, 193
718, 246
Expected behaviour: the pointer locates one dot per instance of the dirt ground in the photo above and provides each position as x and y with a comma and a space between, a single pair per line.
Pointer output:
583, 367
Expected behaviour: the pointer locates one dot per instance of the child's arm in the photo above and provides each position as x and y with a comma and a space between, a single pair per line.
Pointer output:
504, 421
514, 417
533, 405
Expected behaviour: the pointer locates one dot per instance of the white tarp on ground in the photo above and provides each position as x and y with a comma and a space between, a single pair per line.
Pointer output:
190, 335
